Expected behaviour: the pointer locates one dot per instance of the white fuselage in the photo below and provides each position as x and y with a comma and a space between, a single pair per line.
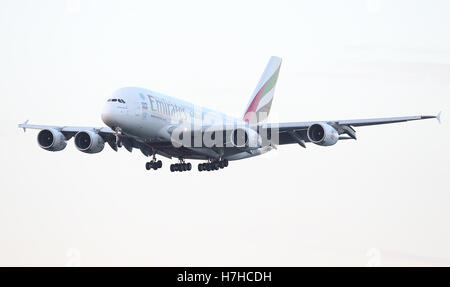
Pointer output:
147, 114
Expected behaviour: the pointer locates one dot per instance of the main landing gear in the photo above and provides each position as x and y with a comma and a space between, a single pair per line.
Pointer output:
213, 165
153, 164
182, 166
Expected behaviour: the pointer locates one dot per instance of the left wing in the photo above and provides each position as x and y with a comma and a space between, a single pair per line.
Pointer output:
107, 134
66, 130
163, 147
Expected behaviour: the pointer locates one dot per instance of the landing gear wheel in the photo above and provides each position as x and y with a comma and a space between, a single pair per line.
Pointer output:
212, 165
153, 164
181, 166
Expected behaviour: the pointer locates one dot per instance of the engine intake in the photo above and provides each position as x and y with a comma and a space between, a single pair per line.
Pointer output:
322, 134
51, 140
89, 142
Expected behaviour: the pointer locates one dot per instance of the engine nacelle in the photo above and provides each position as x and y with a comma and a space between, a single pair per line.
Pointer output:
247, 137
51, 140
89, 142
322, 134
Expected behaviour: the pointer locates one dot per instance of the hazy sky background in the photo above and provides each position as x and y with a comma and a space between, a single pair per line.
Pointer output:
381, 200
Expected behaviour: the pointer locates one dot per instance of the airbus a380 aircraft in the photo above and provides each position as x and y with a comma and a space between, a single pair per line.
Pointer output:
157, 124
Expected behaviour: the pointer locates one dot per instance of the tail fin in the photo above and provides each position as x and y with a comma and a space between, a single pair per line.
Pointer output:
259, 105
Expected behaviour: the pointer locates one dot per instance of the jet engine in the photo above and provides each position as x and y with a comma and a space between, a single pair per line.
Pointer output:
51, 140
89, 142
241, 137
322, 134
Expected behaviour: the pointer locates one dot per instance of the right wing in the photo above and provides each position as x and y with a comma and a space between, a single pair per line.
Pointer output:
296, 132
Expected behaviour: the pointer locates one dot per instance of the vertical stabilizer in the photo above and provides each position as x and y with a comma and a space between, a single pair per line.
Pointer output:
259, 105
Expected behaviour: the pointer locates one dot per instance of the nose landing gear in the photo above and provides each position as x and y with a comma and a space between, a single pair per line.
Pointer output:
213, 165
118, 135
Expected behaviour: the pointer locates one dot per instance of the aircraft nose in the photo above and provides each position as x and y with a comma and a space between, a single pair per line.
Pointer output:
108, 116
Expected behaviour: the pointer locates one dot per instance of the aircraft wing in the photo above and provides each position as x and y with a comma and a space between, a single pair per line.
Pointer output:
288, 133
164, 148
106, 133
66, 130
295, 132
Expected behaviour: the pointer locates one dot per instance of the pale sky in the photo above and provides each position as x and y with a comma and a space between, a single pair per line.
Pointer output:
381, 200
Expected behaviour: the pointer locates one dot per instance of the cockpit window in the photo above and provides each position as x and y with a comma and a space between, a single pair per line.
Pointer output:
116, 100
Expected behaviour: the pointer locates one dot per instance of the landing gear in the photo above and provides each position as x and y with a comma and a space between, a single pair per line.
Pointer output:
153, 164
213, 165
182, 166
118, 135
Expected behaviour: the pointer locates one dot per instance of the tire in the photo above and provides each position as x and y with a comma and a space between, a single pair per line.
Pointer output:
189, 166
159, 164
172, 168
148, 166
200, 167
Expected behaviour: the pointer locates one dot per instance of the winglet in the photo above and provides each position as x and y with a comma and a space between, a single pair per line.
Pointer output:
23, 125
438, 117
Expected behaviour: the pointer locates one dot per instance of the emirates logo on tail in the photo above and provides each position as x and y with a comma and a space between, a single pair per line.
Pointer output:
259, 106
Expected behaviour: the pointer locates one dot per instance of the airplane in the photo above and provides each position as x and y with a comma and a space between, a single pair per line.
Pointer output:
156, 124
